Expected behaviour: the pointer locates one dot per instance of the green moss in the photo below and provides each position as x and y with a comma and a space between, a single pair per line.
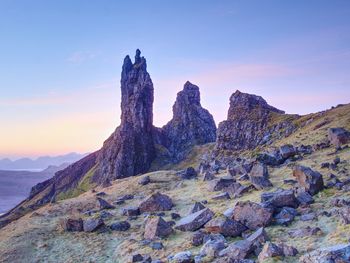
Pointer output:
83, 186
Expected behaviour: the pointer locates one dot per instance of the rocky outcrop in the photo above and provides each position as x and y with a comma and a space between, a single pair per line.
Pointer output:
249, 124
191, 124
130, 149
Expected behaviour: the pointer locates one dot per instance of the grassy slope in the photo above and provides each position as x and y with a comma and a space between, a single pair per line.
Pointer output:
37, 237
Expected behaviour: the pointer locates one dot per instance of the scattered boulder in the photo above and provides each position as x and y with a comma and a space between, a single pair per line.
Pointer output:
195, 221
182, 257
288, 251
258, 238
212, 248
285, 216
145, 180
221, 183
131, 211
305, 232
71, 225
175, 216
196, 207
237, 250
345, 215
120, 226
103, 204
156, 202
92, 224
338, 253
287, 151
310, 181
308, 217
225, 226
188, 173
197, 238
304, 198
156, 227
280, 198
252, 215
338, 136
270, 250
259, 176
208, 176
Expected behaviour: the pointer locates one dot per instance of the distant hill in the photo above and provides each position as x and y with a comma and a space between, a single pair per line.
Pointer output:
39, 163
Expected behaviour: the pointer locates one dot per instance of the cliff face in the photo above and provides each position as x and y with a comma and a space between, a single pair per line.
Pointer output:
191, 124
248, 123
130, 149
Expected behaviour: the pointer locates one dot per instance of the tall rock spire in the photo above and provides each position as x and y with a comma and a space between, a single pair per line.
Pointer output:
130, 149
191, 124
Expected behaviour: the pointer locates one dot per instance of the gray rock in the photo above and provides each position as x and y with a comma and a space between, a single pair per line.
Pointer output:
92, 224
220, 183
188, 173
120, 226
237, 250
225, 226
196, 207
103, 204
259, 176
71, 225
182, 257
252, 215
156, 227
285, 216
304, 198
222, 196
337, 253
156, 202
145, 180
280, 198
195, 221
310, 181
338, 136
212, 248
287, 151
131, 211
270, 250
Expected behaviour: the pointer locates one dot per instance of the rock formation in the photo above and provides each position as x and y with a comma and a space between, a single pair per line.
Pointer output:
247, 124
130, 149
191, 124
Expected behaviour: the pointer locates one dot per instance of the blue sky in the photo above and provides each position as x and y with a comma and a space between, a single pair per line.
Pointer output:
60, 62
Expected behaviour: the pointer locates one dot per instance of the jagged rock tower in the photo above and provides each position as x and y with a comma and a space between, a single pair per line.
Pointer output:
191, 124
130, 149
247, 124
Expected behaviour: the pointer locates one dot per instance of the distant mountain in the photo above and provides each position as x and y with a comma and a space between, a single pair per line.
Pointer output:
15, 185
39, 163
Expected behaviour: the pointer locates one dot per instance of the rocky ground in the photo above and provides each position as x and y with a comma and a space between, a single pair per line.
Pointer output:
284, 201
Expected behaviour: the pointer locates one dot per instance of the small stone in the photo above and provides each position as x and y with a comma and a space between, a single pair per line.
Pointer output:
120, 226
156, 245
131, 211
145, 180
156, 227
196, 207
195, 221
225, 226
270, 250
220, 184
182, 257
223, 196
237, 250
308, 217
175, 216
156, 202
103, 204
304, 198
91, 224
71, 225
188, 173
285, 216
212, 248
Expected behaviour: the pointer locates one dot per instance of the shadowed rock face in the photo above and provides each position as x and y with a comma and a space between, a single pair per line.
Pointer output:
247, 123
191, 124
130, 149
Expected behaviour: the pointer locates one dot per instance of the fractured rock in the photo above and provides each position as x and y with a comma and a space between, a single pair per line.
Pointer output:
310, 181
103, 204
337, 253
92, 224
338, 136
157, 227
280, 198
225, 226
220, 183
270, 250
156, 202
195, 221
71, 225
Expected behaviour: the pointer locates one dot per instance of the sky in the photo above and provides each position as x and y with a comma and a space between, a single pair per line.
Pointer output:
60, 62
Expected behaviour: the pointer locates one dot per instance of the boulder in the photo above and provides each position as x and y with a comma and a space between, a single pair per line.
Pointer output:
259, 176
188, 173
156, 202
285, 216
304, 198
71, 225
225, 226
280, 198
120, 226
208, 176
156, 227
287, 151
195, 221
131, 211
212, 248
237, 250
338, 136
288, 251
338, 253
305, 232
145, 180
270, 250
103, 204
197, 238
270, 158
196, 207
222, 196
220, 183
252, 215
92, 224
182, 257
308, 180
345, 215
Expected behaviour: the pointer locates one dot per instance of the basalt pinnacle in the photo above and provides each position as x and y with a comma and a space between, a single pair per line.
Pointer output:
130, 149
191, 124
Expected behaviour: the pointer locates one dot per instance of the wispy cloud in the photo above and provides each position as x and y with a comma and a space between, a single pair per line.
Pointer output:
81, 56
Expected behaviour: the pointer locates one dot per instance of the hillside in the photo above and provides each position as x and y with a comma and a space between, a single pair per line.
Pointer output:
38, 236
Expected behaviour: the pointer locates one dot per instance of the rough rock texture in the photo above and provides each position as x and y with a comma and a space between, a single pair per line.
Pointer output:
225, 226
270, 250
280, 198
130, 149
71, 225
337, 253
92, 224
237, 250
195, 221
191, 124
247, 123
252, 215
156, 202
156, 227
310, 181
259, 176
338, 136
